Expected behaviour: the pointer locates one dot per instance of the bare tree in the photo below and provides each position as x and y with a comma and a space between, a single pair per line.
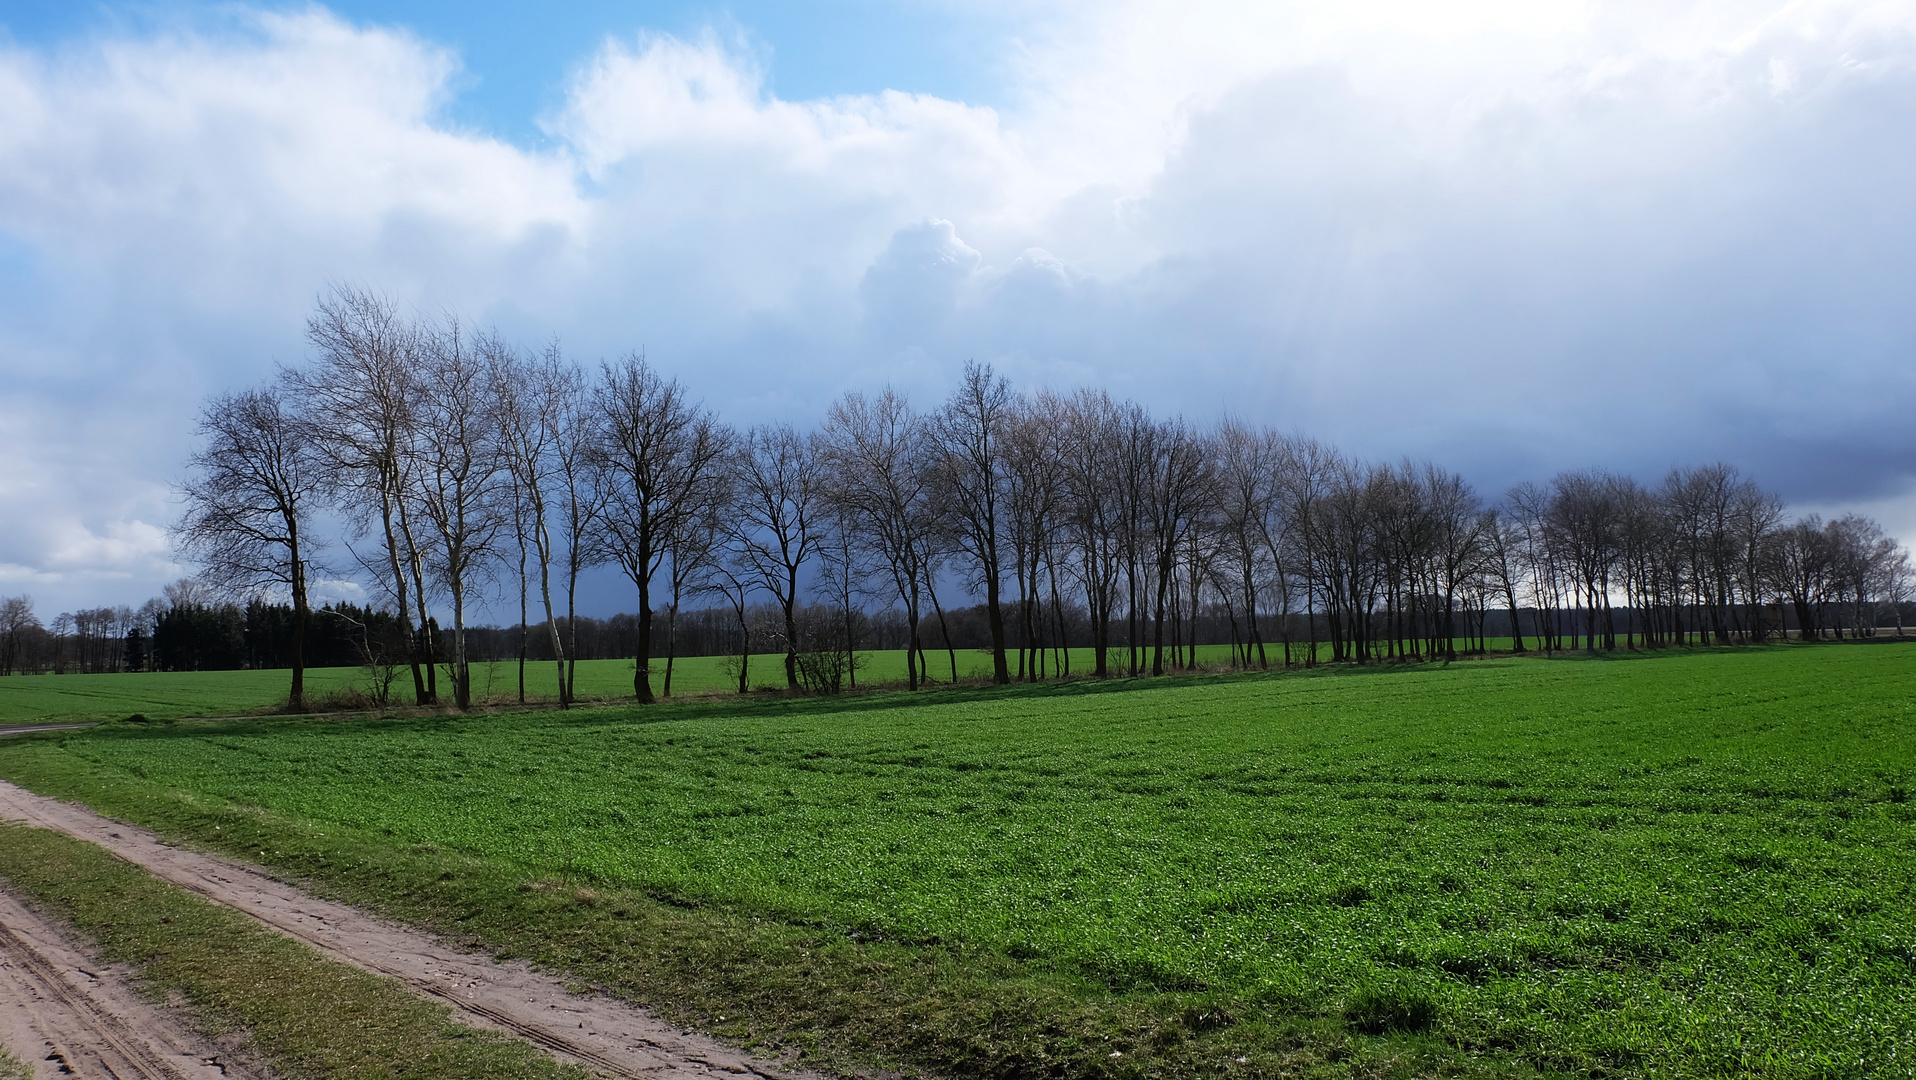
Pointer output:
1135, 450
1458, 540
140, 624
1094, 516
459, 456
1503, 562
778, 518
968, 455
1755, 515
1896, 588
249, 493
581, 489
870, 449
17, 621
1701, 504
1292, 535
842, 583
736, 584
1802, 571
1584, 519
1528, 507
1247, 471
356, 405
1034, 504
663, 457
537, 404
696, 550
1858, 551
1179, 489
521, 512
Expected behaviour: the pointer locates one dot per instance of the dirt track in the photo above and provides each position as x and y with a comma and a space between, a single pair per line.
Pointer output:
65, 1016
601, 1034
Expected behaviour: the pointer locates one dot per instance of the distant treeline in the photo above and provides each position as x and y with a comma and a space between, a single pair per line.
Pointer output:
227, 637
187, 636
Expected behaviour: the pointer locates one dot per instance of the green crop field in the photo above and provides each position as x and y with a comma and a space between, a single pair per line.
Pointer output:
159, 694
1690, 864
175, 694
171, 695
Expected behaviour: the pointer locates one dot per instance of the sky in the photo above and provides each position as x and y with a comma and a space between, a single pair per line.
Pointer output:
1511, 237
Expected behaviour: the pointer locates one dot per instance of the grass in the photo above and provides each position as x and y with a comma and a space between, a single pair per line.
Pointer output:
306, 1016
170, 695
1689, 864
159, 694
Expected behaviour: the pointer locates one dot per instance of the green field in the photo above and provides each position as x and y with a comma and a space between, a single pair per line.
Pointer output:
1693, 864
175, 694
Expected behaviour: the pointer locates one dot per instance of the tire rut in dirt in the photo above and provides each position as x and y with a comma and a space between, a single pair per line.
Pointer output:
90, 1023
598, 1032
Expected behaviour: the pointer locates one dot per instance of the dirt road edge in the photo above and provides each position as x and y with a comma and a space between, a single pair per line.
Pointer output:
602, 1034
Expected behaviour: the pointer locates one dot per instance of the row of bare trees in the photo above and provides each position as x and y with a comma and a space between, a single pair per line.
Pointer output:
460, 464
88, 640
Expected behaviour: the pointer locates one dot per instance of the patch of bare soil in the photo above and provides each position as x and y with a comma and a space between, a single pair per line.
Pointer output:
64, 1015
597, 1032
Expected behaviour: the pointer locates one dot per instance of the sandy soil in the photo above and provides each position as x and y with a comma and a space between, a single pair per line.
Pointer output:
597, 1032
64, 1015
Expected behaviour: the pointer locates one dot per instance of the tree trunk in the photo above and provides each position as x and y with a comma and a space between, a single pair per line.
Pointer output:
461, 673
642, 658
1062, 656
428, 655
851, 647
791, 635
297, 697
552, 624
945, 629
569, 666
914, 648
1157, 622
671, 643
525, 631
1000, 670
642, 662
744, 648
1450, 626
399, 593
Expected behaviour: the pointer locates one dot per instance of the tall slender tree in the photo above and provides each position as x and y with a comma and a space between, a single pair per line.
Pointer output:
462, 464
356, 405
967, 445
249, 493
1093, 520
663, 457
872, 450
779, 518
537, 402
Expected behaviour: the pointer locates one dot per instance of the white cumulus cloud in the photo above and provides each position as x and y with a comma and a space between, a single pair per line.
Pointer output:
1515, 237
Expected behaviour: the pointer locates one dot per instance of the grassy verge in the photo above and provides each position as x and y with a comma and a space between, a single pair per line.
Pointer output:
834, 1001
306, 1016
